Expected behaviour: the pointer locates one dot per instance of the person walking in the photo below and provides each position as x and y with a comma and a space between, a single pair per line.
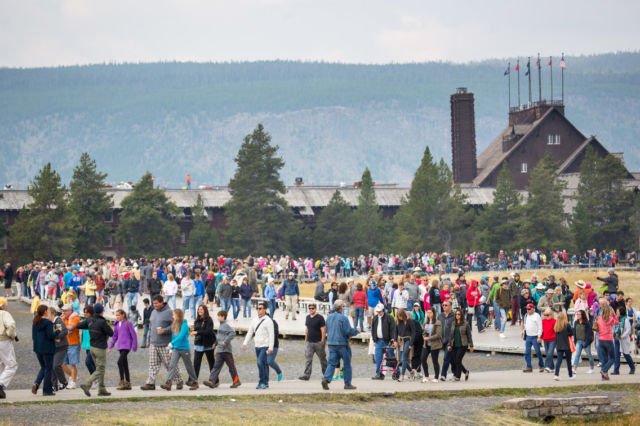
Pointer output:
72, 358
246, 293
99, 332
432, 334
180, 349
315, 336
622, 342
8, 363
271, 358
406, 331
204, 339
583, 336
188, 288
160, 323
124, 334
291, 294
359, 307
604, 326
563, 332
170, 290
224, 354
460, 341
446, 319
549, 339
383, 333
261, 331
270, 295
43, 335
146, 322
59, 378
338, 333
532, 334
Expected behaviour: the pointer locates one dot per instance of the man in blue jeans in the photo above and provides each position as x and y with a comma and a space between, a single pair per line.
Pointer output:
446, 318
383, 333
532, 334
262, 330
338, 333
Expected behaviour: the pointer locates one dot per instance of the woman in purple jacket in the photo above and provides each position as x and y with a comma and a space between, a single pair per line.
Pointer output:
125, 335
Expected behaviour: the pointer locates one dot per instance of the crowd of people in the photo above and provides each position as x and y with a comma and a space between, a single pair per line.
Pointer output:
411, 319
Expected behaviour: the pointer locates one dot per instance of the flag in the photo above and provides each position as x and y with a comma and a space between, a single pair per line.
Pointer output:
538, 62
507, 71
550, 61
563, 64
528, 67
517, 66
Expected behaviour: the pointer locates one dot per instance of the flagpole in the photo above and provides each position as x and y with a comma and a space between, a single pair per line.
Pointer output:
529, 75
551, 75
509, 78
562, 65
539, 80
518, 71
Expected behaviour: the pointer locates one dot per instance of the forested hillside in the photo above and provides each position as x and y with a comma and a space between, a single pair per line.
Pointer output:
330, 120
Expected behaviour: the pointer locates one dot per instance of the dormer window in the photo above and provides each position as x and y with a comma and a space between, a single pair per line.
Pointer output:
553, 140
523, 168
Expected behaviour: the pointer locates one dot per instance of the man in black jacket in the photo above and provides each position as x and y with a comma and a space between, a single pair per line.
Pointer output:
383, 333
99, 333
446, 318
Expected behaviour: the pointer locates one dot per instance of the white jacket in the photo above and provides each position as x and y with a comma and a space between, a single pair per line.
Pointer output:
7, 326
264, 336
533, 325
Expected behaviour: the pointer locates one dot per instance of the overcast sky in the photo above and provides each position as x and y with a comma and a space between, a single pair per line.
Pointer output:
66, 32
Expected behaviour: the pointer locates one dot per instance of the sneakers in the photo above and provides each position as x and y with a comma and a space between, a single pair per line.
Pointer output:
235, 384
336, 377
503, 336
556, 378
349, 387
305, 378
542, 370
72, 385
148, 386
425, 379
194, 386
590, 371
466, 375
528, 370
401, 378
179, 386
86, 389
434, 380
262, 386
325, 384
94, 386
126, 385
103, 392
572, 377
209, 384
547, 370
34, 389
280, 377
380, 377
166, 386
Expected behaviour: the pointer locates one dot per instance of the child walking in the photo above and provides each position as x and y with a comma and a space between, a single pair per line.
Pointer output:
224, 354
180, 349
124, 334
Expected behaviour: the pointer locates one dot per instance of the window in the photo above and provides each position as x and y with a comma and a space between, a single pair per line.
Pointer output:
523, 168
183, 238
108, 217
109, 241
553, 140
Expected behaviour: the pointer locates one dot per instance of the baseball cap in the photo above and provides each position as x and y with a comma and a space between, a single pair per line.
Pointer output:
379, 307
530, 306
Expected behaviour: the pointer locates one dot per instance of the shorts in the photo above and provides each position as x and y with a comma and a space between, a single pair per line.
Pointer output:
7, 284
73, 355
370, 312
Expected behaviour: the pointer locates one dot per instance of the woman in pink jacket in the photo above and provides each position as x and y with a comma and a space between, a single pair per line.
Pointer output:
604, 326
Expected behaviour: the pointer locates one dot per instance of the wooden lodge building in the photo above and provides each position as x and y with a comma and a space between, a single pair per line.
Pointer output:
532, 131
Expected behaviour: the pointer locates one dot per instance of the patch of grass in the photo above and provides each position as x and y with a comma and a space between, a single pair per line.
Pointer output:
240, 417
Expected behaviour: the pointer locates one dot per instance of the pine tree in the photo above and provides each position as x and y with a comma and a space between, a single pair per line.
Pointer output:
603, 216
42, 230
88, 205
257, 214
300, 239
334, 228
202, 238
147, 226
498, 224
544, 224
369, 224
433, 215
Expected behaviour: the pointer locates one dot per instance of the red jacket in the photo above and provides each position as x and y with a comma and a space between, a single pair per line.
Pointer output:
548, 335
473, 294
359, 299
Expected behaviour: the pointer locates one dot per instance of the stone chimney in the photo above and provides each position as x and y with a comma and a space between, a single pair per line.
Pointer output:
463, 137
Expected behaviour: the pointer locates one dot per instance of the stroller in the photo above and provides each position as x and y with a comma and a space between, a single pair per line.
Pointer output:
390, 363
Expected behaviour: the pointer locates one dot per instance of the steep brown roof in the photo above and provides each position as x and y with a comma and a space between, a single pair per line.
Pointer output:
493, 156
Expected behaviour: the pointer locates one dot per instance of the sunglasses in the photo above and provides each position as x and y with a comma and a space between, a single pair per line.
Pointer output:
260, 308
312, 308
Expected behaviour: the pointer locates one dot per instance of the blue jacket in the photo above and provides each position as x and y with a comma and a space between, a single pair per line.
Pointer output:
199, 284
339, 330
180, 341
42, 335
374, 296
270, 292
291, 288
131, 285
